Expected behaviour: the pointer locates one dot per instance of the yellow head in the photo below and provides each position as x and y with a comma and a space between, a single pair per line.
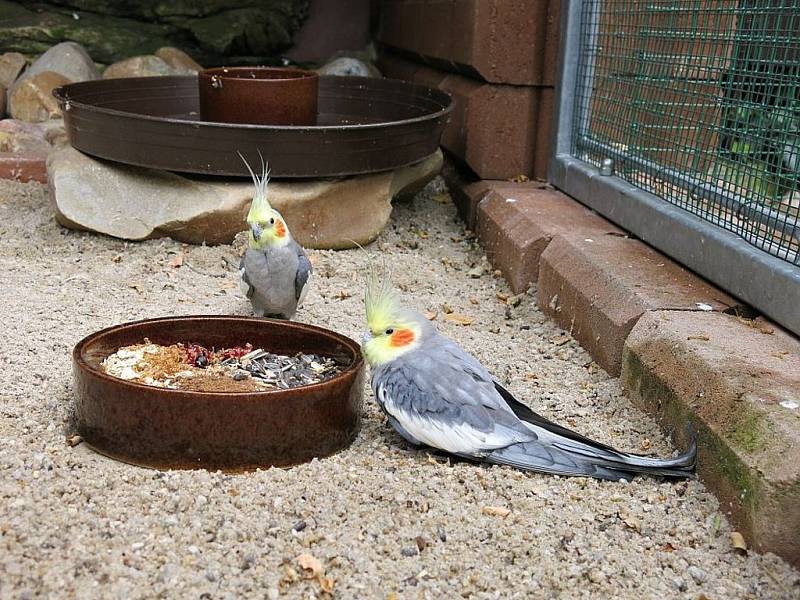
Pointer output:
393, 330
267, 226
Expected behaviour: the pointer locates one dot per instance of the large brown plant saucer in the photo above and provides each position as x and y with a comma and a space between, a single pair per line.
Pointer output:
363, 125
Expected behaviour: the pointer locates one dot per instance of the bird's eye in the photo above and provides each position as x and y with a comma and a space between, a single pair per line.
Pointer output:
389, 331
272, 220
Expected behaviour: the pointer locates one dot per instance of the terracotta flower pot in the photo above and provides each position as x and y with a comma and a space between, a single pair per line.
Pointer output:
171, 428
258, 96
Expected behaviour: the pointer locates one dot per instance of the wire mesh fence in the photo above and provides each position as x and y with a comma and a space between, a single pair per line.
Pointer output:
698, 102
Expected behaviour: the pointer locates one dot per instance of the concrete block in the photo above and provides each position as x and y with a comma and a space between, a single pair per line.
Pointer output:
493, 128
597, 287
516, 222
504, 41
738, 383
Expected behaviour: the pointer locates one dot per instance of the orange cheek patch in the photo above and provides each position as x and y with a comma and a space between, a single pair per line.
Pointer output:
402, 337
280, 229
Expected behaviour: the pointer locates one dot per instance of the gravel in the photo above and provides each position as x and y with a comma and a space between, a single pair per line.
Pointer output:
382, 520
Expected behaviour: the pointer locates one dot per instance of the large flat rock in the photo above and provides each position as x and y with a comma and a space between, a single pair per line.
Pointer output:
135, 203
738, 383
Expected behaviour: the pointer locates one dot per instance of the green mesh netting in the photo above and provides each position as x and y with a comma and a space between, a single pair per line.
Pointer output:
698, 102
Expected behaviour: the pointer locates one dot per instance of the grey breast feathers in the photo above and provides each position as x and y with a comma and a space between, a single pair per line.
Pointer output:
269, 276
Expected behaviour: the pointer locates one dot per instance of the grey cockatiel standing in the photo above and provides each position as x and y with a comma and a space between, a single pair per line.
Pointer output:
437, 395
275, 271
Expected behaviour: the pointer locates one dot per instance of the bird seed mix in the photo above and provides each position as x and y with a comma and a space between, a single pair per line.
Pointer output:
197, 368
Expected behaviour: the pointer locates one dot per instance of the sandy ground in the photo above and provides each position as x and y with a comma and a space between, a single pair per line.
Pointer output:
384, 520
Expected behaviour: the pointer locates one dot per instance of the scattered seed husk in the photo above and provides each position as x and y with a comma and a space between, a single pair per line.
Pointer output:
458, 318
74, 440
738, 543
496, 511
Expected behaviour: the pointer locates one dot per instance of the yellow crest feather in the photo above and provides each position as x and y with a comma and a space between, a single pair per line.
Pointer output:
260, 209
380, 300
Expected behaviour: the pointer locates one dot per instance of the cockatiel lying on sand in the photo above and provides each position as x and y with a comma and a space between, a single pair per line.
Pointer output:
435, 394
275, 271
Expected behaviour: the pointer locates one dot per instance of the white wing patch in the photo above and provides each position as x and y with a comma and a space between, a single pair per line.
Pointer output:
457, 438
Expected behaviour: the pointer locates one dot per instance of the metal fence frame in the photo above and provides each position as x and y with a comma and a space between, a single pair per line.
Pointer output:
769, 284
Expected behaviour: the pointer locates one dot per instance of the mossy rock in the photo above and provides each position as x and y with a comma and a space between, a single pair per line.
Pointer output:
211, 31
105, 38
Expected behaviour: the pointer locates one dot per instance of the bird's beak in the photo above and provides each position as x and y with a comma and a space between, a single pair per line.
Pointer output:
365, 337
256, 229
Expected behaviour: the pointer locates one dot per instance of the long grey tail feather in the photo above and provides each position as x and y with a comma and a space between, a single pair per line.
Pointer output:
571, 453
535, 456
527, 456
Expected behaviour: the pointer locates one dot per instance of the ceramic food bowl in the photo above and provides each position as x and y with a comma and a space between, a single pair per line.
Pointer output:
169, 428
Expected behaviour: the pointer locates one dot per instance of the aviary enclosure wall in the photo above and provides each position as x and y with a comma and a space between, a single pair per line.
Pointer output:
695, 105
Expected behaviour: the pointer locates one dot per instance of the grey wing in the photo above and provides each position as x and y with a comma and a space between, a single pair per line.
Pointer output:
303, 276
245, 284
442, 405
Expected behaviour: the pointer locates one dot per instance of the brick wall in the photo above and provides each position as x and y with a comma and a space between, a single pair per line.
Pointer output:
498, 60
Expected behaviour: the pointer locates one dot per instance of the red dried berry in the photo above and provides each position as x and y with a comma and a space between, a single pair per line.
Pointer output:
194, 352
236, 351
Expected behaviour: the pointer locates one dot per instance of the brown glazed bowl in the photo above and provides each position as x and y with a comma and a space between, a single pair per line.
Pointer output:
179, 429
258, 95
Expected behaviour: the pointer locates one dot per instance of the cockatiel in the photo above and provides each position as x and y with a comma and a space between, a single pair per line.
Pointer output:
436, 394
275, 271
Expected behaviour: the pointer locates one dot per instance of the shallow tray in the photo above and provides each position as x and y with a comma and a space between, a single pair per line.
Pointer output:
182, 429
364, 125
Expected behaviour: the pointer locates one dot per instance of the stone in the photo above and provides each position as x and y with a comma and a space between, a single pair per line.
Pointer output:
24, 148
597, 287
244, 30
55, 133
11, 65
31, 98
516, 222
349, 67
261, 29
106, 37
738, 383
67, 59
94, 195
139, 66
181, 63
697, 574
20, 136
2, 101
